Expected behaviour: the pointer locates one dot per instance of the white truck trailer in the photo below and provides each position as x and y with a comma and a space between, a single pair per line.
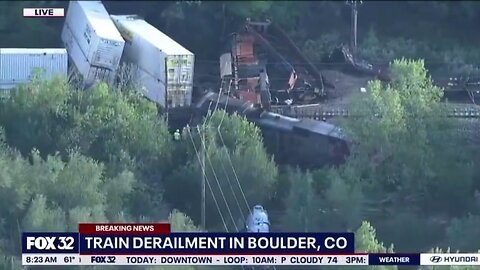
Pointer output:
18, 65
164, 69
93, 42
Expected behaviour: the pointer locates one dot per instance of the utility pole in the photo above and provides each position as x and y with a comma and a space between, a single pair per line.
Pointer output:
353, 34
203, 154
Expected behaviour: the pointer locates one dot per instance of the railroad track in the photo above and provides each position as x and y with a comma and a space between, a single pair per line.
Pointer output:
325, 111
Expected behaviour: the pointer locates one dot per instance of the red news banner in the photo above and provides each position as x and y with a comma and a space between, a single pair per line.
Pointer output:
138, 228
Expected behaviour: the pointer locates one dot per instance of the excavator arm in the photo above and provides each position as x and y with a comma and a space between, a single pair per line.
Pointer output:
248, 67
266, 44
281, 39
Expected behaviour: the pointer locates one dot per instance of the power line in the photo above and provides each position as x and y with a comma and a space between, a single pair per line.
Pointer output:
227, 152
225, 147
207, 181
213, 170
206, 122
353, 34
236, 176
229, 158
217, 181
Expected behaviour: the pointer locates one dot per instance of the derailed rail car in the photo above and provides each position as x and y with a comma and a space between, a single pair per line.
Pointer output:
306, 143
93, 43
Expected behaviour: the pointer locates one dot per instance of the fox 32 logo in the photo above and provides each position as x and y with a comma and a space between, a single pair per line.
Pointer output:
50, 243
103, 259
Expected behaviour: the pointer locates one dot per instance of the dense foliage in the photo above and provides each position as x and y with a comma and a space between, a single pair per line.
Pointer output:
69, 156
442, 33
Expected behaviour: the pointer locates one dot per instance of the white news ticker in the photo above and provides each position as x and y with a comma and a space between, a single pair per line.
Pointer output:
65, 259
450, 259
43, 12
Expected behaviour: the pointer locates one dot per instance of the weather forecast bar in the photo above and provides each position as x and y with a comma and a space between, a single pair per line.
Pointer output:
233, 260
306, 260
254, 260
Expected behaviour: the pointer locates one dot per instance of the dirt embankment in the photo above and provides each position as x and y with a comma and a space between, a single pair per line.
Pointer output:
345, 86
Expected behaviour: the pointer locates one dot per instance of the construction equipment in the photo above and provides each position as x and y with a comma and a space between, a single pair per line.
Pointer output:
262, 50
461, 84
353, 65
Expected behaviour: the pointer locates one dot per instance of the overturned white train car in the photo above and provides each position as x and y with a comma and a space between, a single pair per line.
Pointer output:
93, 42
164, 69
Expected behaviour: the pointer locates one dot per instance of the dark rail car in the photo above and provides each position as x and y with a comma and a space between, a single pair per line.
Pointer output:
306, 143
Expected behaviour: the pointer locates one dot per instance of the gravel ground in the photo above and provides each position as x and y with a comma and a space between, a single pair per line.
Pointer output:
345, 86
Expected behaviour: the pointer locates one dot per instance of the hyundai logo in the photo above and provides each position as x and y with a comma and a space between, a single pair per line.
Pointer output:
435, 259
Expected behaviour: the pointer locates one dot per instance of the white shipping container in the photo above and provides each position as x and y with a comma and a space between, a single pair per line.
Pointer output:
95, 34
90, 74
17, 65
158, 58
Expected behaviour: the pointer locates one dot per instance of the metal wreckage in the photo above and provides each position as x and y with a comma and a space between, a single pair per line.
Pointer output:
248, 90
266, 78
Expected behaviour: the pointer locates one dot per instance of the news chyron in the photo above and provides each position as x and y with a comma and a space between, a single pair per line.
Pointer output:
43, 12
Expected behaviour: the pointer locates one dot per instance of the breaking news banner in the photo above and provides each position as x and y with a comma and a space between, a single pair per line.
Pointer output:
154, 244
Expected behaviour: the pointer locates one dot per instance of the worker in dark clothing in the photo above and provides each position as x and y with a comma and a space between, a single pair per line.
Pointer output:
265, 96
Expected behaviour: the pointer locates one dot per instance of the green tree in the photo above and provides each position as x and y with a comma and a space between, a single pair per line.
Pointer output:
34, 115
43, 196
181, 223
409, 150
366, 242
459, 228
121, 130
53, 195
301, 204
405, 153
10, 263
252, 9
342, 203
46, 31
235, 157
